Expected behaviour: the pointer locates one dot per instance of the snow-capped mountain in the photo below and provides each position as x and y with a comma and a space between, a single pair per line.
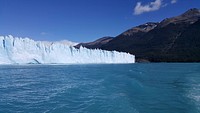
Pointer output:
27, 51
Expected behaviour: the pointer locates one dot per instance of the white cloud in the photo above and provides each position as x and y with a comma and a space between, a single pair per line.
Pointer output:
173, 1
152, 6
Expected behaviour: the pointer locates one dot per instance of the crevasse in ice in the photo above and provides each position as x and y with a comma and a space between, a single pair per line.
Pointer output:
27, 51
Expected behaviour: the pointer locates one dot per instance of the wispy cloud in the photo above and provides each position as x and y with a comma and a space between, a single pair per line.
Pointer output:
173, 1
43, 33
152, 6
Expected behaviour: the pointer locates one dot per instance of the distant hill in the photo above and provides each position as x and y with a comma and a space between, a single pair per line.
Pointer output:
175, 39
95, 44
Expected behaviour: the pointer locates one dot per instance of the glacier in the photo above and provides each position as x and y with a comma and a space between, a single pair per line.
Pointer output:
14, 50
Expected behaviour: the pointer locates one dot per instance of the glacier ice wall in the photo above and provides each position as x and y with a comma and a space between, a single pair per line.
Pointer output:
27, 51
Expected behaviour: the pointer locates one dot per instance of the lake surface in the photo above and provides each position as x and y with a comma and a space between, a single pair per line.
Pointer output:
124, 88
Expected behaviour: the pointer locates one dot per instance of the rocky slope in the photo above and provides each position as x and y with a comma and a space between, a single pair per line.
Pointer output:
95, 44
175, 39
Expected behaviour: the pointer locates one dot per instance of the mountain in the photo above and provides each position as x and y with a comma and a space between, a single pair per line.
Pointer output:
123, 41
27, 51
141, 29
174, 39
135, 32
95, 44
188, 17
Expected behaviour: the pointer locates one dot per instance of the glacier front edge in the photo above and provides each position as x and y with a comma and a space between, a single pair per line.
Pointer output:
15, 50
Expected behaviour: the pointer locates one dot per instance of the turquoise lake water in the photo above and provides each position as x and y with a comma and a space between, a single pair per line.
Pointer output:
124, 88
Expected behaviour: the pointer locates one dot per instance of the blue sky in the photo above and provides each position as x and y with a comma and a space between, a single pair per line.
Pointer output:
83, 20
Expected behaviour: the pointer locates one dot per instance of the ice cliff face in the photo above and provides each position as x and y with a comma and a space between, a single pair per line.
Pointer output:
27, 51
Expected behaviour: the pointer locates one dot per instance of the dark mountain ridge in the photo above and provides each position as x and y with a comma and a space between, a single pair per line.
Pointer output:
95, 44
175, 39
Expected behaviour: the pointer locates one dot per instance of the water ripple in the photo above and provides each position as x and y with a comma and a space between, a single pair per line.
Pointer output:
138, 88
